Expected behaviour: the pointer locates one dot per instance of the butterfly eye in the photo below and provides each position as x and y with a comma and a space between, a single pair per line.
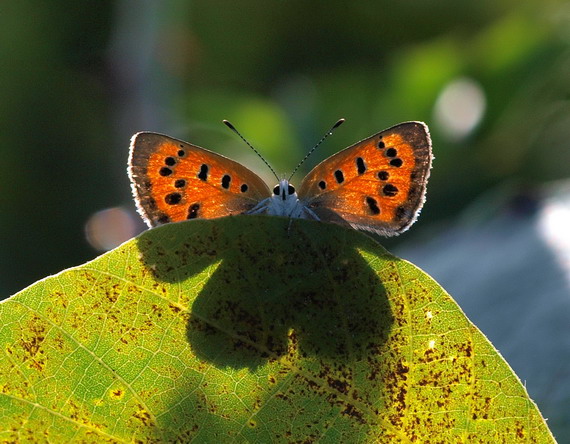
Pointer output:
291, 189
276, 190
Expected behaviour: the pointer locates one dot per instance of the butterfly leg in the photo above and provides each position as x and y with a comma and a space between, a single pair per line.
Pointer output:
289, 226
310, 214
304, 213
296, 212
260, 208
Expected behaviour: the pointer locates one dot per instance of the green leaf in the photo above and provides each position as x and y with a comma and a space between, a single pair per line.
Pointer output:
252, 329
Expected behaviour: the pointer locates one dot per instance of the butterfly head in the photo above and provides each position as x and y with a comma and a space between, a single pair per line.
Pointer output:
284, 191
283, 202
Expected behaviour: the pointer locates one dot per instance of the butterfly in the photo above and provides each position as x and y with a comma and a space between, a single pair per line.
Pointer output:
377, 184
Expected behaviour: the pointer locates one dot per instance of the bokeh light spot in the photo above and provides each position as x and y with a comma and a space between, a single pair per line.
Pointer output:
109, 228
460, 108
554, 228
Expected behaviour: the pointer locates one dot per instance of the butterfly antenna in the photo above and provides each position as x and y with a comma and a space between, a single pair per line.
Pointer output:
328, 133
233, 128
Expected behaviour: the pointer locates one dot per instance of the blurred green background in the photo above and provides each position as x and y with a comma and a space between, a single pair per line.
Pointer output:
491, 79
78, 79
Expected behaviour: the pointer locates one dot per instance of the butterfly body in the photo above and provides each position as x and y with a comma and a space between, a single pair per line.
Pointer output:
284, 202
377, 184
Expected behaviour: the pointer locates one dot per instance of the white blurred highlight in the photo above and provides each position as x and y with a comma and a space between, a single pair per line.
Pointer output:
460, 108
109, 228
554, 228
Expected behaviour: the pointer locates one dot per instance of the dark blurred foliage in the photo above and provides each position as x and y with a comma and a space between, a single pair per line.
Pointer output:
79, 78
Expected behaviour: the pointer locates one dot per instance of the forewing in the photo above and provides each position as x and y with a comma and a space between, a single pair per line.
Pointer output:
377, 184
174, 180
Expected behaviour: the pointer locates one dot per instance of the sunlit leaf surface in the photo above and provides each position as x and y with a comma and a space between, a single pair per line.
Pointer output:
252, 329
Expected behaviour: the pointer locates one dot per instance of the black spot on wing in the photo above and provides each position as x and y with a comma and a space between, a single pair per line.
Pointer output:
373, 205
173, 198
339, 176
360, 165
203, 174
226, 179
193, 211
389, 190
391, 152
165, 171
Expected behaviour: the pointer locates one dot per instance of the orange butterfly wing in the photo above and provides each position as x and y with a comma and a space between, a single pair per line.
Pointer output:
377, 184
174, 181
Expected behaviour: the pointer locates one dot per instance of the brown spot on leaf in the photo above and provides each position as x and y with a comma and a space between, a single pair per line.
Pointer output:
337, 384
354, 413
117, 393
174, 308
143, 415
32, 341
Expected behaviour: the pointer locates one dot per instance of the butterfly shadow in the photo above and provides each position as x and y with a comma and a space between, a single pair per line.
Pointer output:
275, 298
278, 289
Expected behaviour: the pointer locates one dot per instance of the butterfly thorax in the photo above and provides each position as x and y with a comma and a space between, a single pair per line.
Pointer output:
283, 202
